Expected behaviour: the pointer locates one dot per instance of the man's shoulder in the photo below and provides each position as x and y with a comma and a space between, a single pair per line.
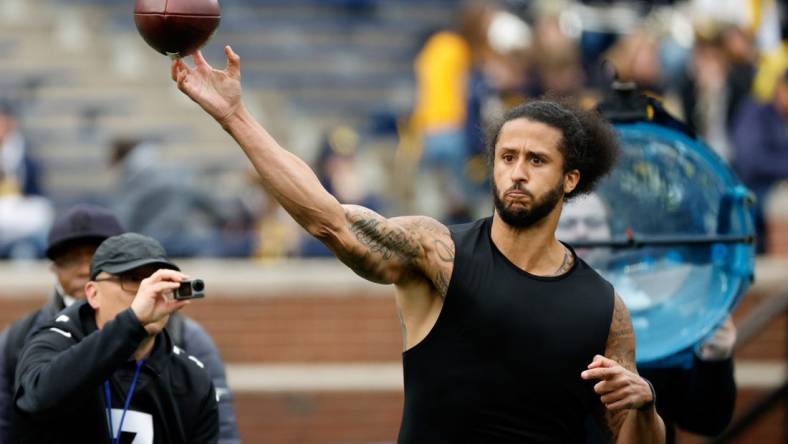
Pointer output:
188, 379
587, 270
471, 229
189, 369
67, 323
20, 330
195, 336
469, 226
21, 326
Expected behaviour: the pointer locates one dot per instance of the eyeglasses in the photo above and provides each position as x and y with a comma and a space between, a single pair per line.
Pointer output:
129, 283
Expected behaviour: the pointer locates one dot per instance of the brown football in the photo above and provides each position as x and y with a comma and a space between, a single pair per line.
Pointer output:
176, 28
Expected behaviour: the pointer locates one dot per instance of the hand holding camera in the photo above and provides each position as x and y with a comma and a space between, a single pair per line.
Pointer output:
153, 304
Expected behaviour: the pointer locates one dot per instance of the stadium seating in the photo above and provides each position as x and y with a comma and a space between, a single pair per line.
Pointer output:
85, 76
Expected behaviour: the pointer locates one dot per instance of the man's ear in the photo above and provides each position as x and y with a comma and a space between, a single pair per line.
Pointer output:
571, 179
91, 291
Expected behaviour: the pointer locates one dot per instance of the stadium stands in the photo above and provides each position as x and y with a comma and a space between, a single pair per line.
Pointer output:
86, 76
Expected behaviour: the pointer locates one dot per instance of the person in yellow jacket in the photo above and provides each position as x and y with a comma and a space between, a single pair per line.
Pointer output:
443, 68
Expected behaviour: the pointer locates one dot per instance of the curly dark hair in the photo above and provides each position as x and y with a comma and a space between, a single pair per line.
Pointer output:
588, 143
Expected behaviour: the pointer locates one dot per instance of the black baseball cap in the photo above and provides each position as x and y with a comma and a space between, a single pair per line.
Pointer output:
125, 252
81, 223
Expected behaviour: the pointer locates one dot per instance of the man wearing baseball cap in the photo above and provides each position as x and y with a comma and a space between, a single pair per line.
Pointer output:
126, 380
72, 241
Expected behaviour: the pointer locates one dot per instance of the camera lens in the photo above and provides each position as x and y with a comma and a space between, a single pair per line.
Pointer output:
198, 285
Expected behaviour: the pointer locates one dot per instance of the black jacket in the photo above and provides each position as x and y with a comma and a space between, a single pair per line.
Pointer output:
59, 395
699, 399
186, 333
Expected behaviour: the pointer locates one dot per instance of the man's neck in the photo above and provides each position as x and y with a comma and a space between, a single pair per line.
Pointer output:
145, 348
533, 249
68, 300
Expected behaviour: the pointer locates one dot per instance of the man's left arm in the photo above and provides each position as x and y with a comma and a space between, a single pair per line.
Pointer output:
629, 411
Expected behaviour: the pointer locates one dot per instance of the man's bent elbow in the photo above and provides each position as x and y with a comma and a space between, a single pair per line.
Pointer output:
29, 404
323, 231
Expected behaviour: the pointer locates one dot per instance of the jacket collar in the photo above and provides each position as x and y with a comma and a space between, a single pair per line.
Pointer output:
57, 299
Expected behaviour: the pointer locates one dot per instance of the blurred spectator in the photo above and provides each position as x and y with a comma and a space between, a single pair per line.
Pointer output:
600, 24
716, 82
704, 97
636, 59
585, 219
761, 148
557, 59
772, 64
443, 72
18, 172
71, 243
84, 388
740, 51
467, 74
24, 214
502, 79
699, 399
167, 204
506, 64
339, 171
276, 234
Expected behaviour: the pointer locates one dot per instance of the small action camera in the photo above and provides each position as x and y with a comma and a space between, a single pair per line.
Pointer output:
192, 289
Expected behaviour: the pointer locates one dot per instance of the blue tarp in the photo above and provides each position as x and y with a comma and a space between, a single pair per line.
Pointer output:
668, 185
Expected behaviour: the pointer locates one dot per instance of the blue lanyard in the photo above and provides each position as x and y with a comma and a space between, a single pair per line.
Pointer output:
108, 398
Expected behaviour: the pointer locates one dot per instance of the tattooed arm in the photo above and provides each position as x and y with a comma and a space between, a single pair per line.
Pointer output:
381, 250
386, 251
391, 251
628, 412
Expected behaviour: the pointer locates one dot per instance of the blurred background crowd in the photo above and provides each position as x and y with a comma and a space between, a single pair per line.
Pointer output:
386, 99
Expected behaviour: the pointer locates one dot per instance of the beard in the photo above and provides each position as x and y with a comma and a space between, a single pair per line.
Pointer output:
522, 217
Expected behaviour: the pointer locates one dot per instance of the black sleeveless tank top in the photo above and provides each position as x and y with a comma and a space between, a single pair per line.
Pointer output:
502, 363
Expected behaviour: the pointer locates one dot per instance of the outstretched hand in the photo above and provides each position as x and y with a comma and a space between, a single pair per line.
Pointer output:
217, 91
618, 388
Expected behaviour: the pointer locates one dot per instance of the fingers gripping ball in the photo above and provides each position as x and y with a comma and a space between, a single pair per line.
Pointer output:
176, 28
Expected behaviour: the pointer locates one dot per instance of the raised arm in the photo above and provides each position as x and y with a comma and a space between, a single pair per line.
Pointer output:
381, 250
629, 414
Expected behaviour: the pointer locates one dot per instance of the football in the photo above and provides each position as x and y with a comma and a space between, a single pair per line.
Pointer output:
176, 28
